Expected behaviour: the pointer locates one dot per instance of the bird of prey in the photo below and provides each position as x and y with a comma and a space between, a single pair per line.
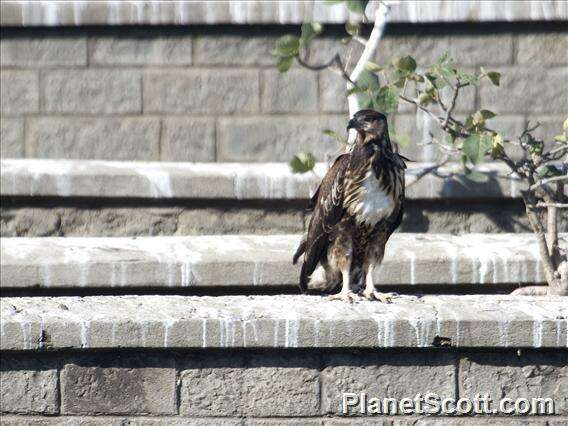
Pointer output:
356, 208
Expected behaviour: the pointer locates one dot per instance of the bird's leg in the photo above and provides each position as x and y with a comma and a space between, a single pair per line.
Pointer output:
345, 294
370, 293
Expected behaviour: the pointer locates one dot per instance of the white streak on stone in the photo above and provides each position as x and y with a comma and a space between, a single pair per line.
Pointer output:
412, 258
204, 332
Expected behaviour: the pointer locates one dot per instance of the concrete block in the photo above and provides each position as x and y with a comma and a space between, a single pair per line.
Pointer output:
332, 92
262, 260
386, 376
293, 91
212, 386
140, 48
234, 49
93, 91
192, 322
235, 181
188, 139
547, 48
28, 386
43, 51
481, 49
94, 138
277, 138
531, 90
11, 138
282, 386
508, 375
20, 92
201, 91
119, 385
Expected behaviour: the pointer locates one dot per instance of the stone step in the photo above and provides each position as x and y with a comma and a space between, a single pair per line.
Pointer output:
110, 322
256, 262
240, 181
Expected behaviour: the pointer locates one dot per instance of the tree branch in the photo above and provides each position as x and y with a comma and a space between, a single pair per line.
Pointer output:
381, 16
547, 181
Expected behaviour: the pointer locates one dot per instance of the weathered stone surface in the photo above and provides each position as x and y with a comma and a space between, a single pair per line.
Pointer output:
332, 92
293, 91
258, 139
255, 12
548, 48
188, 139
484, 49
530, 375
43, 51
212, 386
240, 181
119, 385
268, 386
386, 376
258, 260
84, 219
11, 138
282, 386
197, 322
118, 421
140, 48
234, 50
201, 91
521, 90
20, 92
28, 386
95, 138
93, 91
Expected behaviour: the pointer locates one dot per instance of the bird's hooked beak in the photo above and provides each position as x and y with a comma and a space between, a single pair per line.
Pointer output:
352, 124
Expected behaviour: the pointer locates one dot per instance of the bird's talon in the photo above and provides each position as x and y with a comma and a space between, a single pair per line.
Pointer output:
381, 297
349, 297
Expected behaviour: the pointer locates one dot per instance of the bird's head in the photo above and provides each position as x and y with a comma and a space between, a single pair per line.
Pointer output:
371, 127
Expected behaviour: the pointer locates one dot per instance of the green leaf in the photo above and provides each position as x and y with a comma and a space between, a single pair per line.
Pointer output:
561, 138
435, 79
352, 28
406, 63
565, 125
495, 77
357, 6
468, 78
476, 176
288, 45
368, 80
386, 99
372, 67
302, 163
483, 114
548, 171
472, 147
309, 32
425, 98
284, 63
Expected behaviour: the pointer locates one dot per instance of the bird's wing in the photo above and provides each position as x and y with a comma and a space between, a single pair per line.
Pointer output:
328, 211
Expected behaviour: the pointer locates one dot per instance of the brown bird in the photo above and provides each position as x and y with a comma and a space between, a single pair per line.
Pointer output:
356, 208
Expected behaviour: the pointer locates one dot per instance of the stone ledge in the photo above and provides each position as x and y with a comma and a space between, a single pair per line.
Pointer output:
103, 322
275, 181
257, 261
77, 12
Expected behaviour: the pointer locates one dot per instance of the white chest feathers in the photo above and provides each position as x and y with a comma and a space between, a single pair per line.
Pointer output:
374, 204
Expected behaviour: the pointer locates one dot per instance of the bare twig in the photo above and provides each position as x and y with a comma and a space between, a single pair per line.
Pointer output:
427, 170
547, 181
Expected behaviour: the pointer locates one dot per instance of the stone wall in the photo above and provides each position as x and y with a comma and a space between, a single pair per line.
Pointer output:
266, 387
203, 93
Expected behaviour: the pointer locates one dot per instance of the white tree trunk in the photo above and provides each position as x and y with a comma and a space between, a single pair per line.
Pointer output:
369, 52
